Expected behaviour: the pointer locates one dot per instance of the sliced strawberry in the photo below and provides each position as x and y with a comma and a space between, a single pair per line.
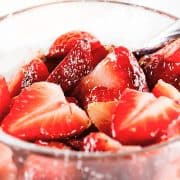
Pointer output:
140, 117
100, 142
52, 144
164, 64
101, 94
4, 98
8, 170
165, 89
118, 70
100, 113
64, 43
42, 112
74, 66
34, 71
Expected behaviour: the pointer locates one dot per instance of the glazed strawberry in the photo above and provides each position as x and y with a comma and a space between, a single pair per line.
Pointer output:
4, 97
100, 113
42, 112
165, 89
64, 43
74, 66
118, 70
34, 71
100, 142
52, 144
164, 64
140, 118
101, 94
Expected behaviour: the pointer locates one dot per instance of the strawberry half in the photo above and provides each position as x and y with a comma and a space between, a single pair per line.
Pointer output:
34, 71
74, 66
165, 89
101, 113
100, 142
64, 43
42, 112
140, 118
164, 64
118, 70
4, 97
52, 144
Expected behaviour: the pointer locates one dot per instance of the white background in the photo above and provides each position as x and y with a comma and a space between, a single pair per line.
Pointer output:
169, 6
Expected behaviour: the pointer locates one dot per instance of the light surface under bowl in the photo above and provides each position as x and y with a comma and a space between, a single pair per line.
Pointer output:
25, 33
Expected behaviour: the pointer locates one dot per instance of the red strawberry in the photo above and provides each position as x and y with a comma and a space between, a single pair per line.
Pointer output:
118, 70
140, 117
101, 94
164, 89
52, 144
4, 97
100, 113
100, 142
42, 112
74, 66
164, 64
64, 43
8, 169
34, 71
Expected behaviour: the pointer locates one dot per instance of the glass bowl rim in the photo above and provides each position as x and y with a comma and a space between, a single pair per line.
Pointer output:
18, 144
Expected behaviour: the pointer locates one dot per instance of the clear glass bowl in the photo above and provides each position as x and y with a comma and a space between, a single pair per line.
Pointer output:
25, 33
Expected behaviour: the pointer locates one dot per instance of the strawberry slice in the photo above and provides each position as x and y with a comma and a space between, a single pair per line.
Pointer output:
164, 64
101, 94
165, 89
52, 144
118, 70
74, 66
140, 117
4, 98
101, 142
42, 112
100, 114
34, 71
64, 43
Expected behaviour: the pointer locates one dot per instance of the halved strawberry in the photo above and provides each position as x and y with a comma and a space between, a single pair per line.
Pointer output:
42, 112
164, 64
165, 89
64, 43
4, 97
101, 113
101, 94
100, 142
78, 63
118, 70
34, 71
52, 144
140, 117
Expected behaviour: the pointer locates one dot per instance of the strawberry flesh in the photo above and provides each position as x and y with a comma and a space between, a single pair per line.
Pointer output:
164, 64
4, 98
74, 66
34, 71
140, 118
118, 70
42, 112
